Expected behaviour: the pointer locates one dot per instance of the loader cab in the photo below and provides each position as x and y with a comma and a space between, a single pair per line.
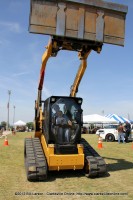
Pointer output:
62, 120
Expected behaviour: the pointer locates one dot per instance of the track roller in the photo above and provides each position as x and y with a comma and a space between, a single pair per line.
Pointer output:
95, 165
35, 161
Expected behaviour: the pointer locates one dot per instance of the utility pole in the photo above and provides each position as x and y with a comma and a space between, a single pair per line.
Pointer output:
14, 114
8, 108
103, 112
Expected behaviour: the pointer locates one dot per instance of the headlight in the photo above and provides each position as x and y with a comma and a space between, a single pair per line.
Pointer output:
53, 99
80, 101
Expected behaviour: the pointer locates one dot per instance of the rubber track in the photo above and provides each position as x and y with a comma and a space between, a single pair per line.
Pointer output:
35, 161
95, 165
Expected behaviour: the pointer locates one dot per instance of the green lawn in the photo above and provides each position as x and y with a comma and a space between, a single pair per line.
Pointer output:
70, 184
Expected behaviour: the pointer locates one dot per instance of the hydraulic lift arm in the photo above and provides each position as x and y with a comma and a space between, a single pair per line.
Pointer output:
45, 58
79, 75
38, 103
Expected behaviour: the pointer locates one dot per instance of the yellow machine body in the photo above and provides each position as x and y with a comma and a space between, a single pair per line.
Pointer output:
62, 162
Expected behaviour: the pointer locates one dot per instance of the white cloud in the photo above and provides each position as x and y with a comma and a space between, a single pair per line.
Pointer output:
19, 87
46, 92
11, 26
20, 74
4, 42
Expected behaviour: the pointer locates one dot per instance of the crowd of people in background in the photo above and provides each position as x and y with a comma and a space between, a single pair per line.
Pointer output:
124, 130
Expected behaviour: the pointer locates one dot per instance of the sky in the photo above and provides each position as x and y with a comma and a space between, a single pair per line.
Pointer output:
105, 88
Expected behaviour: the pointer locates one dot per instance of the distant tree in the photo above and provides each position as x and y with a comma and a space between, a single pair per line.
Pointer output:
30, 125
3, 124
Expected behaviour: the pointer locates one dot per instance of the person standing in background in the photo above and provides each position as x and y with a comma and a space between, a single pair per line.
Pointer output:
127, 128
121, 133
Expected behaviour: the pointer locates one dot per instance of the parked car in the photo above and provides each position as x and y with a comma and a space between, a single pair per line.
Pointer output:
110, 133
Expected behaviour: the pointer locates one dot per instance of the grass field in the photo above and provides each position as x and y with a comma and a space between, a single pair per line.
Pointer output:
70, 184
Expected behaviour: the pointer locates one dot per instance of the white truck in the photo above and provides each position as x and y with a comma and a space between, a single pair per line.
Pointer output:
110, 133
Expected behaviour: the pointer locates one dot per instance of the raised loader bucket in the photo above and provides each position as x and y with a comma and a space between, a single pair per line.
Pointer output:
86, 20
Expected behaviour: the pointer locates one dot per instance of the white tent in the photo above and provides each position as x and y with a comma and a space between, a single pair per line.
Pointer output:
95, 118
19, 123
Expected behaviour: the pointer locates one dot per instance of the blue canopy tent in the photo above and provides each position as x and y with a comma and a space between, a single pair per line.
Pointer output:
118, 118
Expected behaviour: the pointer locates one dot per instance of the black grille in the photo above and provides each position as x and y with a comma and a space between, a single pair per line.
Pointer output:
66, 149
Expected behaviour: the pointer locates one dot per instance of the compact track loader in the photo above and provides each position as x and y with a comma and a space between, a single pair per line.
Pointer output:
80, 26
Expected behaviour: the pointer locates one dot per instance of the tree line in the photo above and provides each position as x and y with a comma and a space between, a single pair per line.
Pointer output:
29, 125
